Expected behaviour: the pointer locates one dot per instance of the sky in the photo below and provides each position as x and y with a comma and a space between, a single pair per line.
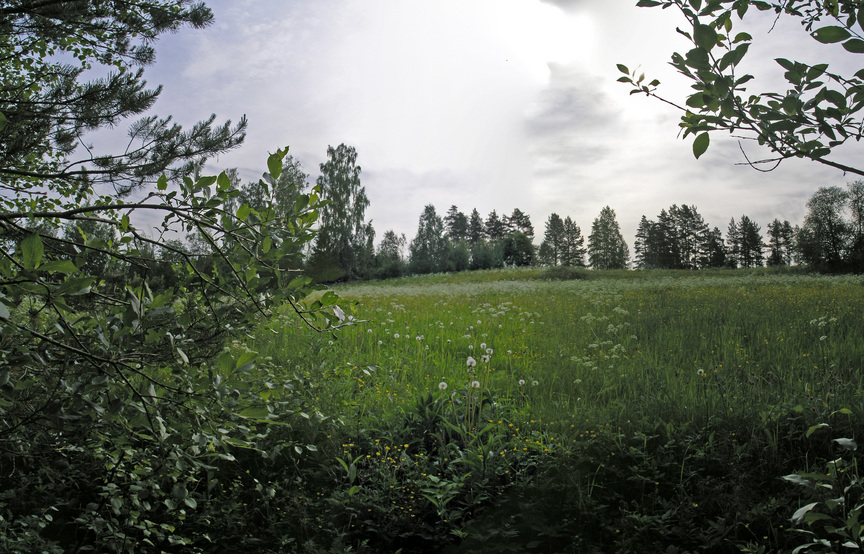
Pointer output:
486, 104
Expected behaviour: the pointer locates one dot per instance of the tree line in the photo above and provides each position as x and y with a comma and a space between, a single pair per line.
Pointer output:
831, 238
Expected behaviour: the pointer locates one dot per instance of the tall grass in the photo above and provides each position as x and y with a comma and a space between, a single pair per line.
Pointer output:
667, 371
677, 347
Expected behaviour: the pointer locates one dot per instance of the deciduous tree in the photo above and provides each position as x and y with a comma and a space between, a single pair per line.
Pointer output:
342, 246
606, 246
814, 116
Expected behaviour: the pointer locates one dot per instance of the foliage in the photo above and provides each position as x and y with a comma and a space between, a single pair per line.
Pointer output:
781, 242
745, 247
834, 520
116, 401
344, 245
494, 228
553, 240
390, 261
456, 224
476, 230
663, 413
606, 246
517, 249
429, 247
679, 239
810, 120
831, 237
47, 105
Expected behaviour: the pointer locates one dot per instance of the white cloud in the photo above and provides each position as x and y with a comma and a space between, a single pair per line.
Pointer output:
493, 104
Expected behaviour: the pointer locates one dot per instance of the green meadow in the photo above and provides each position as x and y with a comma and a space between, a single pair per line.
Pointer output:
612, 411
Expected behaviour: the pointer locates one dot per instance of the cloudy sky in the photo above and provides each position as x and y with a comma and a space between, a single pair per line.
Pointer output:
487, 104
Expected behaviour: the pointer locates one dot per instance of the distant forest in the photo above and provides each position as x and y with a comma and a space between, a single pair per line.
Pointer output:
830, 239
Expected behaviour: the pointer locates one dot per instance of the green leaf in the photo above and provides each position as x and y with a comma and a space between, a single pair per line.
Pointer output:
60, 266
162, 182
623, 69
223, 182
32, 250
647, 3
704, 36
831, 34
4, 311
243, 212
266, 244
274, 164
785, 64
2, 121
255, 413
854, 45
700, 145
815, 428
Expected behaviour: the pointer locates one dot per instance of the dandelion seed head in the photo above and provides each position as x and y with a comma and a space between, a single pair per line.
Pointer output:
442, 385
475, 384
470, 362
482, 346
521, 382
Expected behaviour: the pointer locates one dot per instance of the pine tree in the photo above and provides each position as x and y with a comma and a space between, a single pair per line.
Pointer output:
519, 222
78, 67
553, 245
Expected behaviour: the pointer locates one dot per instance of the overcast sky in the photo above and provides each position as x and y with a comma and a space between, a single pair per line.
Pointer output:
487, 104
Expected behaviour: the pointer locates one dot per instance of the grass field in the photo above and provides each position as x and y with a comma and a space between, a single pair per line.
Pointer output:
657, 409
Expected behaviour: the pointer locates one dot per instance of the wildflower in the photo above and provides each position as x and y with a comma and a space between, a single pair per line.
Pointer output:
521, 382
509, 352
489, 351
330, 342
368, 330
700, 372
395, 335
485, 358
482, 346
380, 342
470, 347
471, 362
475, 384
535, 383
442, 385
